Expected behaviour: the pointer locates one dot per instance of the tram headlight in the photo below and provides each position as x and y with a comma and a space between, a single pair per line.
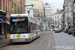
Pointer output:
12, 36
26, 36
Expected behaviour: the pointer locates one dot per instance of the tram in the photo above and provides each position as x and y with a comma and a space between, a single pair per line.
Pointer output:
23, 28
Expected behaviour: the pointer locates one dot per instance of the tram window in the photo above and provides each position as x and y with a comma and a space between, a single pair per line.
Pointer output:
19, 26
32, 26
13, 26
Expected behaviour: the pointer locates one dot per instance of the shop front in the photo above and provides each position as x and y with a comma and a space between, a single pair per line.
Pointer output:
4, 22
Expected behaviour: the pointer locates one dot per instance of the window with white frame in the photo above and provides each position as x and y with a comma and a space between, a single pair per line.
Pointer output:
36, 1
58, 16
55, 21
61, 16
58, 21
55, 16
33, 1
36, 6
33, 6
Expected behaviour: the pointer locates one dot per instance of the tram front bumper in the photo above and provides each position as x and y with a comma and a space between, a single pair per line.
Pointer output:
20, 40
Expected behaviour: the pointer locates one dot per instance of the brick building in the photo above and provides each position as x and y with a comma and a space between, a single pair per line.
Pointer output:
6, 10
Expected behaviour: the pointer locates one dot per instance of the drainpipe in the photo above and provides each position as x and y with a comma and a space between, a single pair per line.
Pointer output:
5, 4
2, 4
21, 6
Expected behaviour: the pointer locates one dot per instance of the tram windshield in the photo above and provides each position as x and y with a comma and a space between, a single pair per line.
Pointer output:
19, 25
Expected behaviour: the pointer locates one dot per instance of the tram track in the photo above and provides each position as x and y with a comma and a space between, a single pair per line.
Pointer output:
34, 45
42, 43
45, 43
39, 44
49, 42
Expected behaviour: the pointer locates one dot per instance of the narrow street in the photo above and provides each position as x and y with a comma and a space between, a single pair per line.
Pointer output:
47, 41
24, 20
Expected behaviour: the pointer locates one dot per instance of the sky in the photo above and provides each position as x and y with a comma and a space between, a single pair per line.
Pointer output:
57, 3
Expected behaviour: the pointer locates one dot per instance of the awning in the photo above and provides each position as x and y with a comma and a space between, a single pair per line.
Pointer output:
5, 18
2, 21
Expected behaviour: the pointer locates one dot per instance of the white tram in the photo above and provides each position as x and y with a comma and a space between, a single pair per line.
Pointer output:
23, 28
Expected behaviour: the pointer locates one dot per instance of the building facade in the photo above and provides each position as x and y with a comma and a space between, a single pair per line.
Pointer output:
6, 8
68, 7
58, 19
4, 17
38, 9
19, 6
49, 10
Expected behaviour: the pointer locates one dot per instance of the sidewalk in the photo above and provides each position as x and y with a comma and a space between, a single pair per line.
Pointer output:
4, 42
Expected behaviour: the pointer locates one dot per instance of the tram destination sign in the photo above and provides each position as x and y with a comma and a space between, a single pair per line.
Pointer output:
15, 20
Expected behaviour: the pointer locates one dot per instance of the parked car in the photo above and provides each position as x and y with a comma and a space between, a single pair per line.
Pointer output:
71, 31
67, 29
61, 29
57, 31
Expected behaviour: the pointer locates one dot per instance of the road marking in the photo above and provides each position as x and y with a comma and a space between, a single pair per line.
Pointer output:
39, 43
49, 42
56, 41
